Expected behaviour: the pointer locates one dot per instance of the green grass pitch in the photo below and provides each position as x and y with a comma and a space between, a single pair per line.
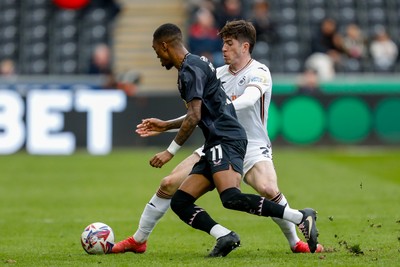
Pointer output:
46, 201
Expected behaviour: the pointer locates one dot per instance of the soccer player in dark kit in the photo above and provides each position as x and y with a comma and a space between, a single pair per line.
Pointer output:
221, 166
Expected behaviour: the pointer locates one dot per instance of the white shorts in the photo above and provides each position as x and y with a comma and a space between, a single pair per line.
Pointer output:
254, 153
199, 151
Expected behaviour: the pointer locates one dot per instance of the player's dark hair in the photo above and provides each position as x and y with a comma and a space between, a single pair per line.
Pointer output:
168, 32
240, 30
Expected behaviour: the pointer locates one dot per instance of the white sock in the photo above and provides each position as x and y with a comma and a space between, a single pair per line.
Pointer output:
292, 215
152, 213
287, 228
218, 230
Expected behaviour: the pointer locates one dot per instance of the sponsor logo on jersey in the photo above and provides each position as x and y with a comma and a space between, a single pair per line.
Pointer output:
257, 80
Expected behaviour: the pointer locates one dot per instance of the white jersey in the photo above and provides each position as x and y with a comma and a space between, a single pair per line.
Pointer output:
254, 118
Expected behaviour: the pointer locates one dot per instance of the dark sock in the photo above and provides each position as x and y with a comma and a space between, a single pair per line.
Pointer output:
233, 199
182, 204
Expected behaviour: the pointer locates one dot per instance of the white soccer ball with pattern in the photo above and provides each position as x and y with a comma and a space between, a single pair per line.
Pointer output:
97, 238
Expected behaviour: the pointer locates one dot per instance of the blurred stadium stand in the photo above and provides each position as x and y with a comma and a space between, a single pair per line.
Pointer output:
51, 48
297, 20
43, 39
133, 39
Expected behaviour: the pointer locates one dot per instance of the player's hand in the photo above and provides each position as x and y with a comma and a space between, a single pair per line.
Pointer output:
160, 159
150, 127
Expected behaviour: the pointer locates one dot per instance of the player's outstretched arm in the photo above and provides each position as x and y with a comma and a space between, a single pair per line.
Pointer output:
187, 125
150, 127
153, 126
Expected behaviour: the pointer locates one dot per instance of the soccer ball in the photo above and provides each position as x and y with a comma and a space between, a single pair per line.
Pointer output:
97, 238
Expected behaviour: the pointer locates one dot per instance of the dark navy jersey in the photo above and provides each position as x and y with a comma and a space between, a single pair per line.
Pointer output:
197, 80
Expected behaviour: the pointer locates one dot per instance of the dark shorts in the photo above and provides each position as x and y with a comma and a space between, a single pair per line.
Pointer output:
220, 157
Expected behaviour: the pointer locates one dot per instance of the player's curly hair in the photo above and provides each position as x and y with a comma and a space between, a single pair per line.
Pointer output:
168, 32
240, 30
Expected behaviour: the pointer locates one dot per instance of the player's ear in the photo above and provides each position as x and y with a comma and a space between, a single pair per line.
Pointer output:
246, 46
164, 46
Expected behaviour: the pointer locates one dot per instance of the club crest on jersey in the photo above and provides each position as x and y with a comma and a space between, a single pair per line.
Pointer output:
242, 81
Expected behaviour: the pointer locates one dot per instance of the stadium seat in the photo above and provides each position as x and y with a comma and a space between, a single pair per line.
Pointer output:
274, 6
66, 33
36, 66
69, 67
288, 32
366, 65
37, 33
8, 34
36, 50
36, 3
287, 3
346, 3
85, 55
68, 50
36, 16
376, 16
8, 50
317, 14
292, 65
96, 16
64, 51
33, 58
62, 62
351, 65
346, 15
288, 15
261, 50
98, 33
291, 49
8, 16
9, 3
393, 31
64, 16
276, 59
375, 3
314, 3
264, 61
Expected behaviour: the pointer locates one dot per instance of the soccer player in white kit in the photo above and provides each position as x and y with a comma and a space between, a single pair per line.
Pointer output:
249, 85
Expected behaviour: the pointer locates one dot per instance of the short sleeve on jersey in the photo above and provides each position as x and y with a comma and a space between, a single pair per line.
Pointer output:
193, 83
261, 78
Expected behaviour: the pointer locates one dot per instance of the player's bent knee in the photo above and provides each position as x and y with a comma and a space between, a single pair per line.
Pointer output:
180, 201
233, 199
169, 184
